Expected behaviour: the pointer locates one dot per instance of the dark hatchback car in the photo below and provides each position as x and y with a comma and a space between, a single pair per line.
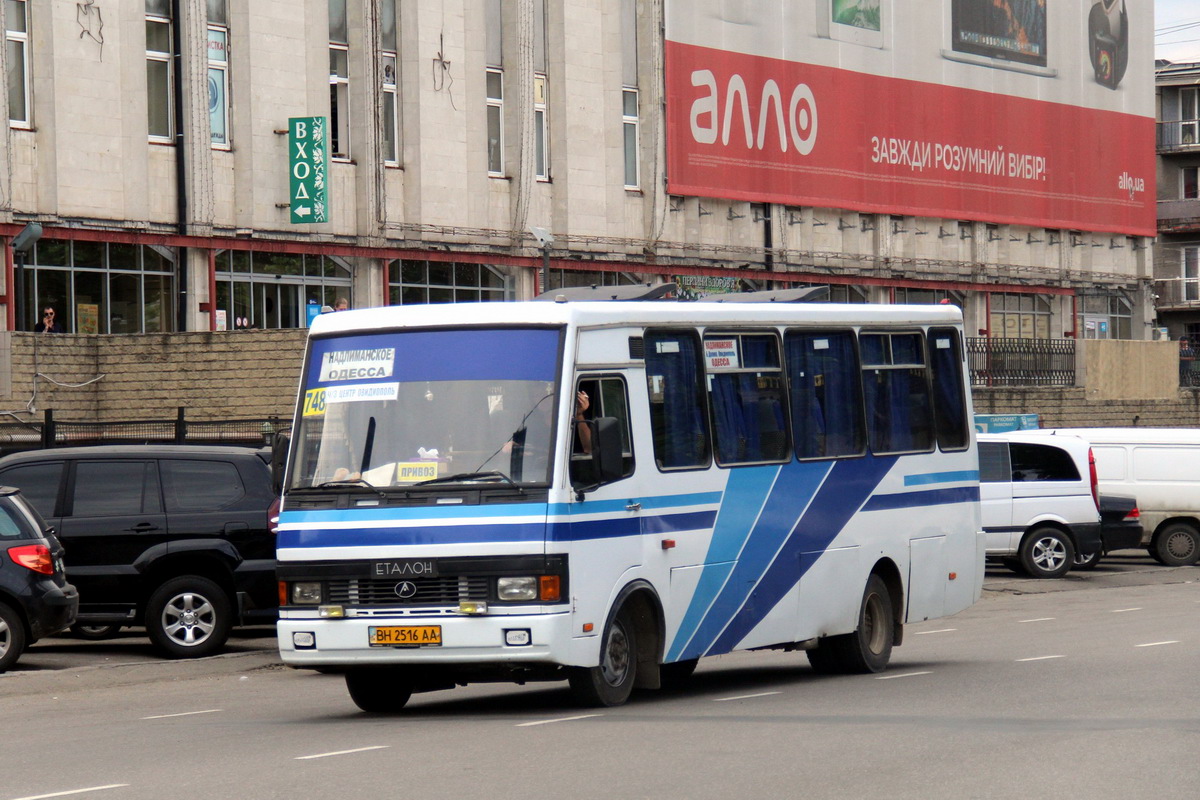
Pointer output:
35, 598
1120, 529
172, 537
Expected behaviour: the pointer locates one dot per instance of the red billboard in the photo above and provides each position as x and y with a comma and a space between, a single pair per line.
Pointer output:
1006, 111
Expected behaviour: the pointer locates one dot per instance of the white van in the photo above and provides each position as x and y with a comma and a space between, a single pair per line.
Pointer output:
1161, 468
1039, 502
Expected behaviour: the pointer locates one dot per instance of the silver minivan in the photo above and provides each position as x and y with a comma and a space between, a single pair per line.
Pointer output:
1039, 501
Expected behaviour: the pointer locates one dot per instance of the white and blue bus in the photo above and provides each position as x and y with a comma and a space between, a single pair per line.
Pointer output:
605, 492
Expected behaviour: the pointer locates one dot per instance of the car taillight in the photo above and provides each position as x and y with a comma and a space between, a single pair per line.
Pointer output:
33, 556
1092, 476
1136, 513
273, 515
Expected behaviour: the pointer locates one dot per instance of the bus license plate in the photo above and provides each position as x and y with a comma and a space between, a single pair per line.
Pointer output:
405, 635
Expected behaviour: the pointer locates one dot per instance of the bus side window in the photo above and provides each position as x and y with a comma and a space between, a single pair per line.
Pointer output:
896, 390
678, 414
826, 392
949, 405
745, 383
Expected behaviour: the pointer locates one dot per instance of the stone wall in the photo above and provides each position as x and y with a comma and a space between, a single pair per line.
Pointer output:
228, 375
254, 374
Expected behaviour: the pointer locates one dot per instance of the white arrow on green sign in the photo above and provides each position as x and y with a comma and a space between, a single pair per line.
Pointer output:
308, 166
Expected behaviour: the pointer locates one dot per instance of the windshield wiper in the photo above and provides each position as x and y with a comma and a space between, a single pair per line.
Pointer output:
462, 477
356, 483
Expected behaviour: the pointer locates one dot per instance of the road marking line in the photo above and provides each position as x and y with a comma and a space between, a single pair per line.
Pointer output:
1039, 619
903, 675
184, 714
1123, 610
73, 791
1039, 658
343, 752
560, 719
943, 630
745, 696
1156, 644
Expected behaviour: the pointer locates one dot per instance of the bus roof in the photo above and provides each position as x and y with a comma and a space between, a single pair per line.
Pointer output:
609, 314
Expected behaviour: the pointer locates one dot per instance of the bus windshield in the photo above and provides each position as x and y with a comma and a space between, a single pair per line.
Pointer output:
449, 406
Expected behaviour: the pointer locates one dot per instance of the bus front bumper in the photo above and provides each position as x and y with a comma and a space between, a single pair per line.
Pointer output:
479, 640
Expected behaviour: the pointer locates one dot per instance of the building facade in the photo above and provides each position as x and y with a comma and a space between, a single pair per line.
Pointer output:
1177, 259
481, 150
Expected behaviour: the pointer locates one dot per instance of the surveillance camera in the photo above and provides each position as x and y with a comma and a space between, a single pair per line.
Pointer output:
543, 236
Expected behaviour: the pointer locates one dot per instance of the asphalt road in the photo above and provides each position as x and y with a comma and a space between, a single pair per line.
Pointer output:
1081, 687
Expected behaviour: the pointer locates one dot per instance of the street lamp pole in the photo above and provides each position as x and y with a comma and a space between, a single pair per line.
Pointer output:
21, 244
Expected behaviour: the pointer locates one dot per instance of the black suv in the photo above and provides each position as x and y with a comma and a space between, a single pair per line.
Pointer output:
35, 598
173, 537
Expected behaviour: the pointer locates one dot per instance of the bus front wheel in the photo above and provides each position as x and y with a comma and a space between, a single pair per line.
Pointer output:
378, 691
610, 683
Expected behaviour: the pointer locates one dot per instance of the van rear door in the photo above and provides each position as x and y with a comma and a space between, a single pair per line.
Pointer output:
995, 496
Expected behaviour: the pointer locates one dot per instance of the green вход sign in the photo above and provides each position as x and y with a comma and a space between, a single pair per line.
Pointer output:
308, 167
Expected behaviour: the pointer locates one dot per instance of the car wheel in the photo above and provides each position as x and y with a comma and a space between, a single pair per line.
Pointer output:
189, 617
1047, 553
94, 633
378, 691
12, 637
1086, 561
610, 683
869, 647
1177, 545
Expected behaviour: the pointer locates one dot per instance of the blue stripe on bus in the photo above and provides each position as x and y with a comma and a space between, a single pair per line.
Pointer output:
849, 484
412, 535
942, 477
745, 492
928, 497
580, 530
454, 511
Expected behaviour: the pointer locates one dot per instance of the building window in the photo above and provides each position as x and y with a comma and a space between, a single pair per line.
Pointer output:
416, 281
495, 121
387, 55
159, 70
566, 278
1191, 272
16, 37
1189, 115
541, 129
277, 290
1020, 316
218, 73
630, 125
1191, 183
494, 55
101, 287
339, 81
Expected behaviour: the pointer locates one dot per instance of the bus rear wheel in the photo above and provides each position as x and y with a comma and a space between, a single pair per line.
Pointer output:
610, 683
869, 647
378, 691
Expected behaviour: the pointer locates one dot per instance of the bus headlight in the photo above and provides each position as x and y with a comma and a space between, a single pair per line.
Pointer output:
525, 588
306, 593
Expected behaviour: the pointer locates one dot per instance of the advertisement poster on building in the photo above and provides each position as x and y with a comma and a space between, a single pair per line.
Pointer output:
87, 318
1004, 111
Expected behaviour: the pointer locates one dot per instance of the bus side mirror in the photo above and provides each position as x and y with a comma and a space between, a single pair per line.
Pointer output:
606, 449
279, 451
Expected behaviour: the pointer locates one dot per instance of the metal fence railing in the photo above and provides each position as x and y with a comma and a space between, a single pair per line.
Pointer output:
51, 432
1021, 362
